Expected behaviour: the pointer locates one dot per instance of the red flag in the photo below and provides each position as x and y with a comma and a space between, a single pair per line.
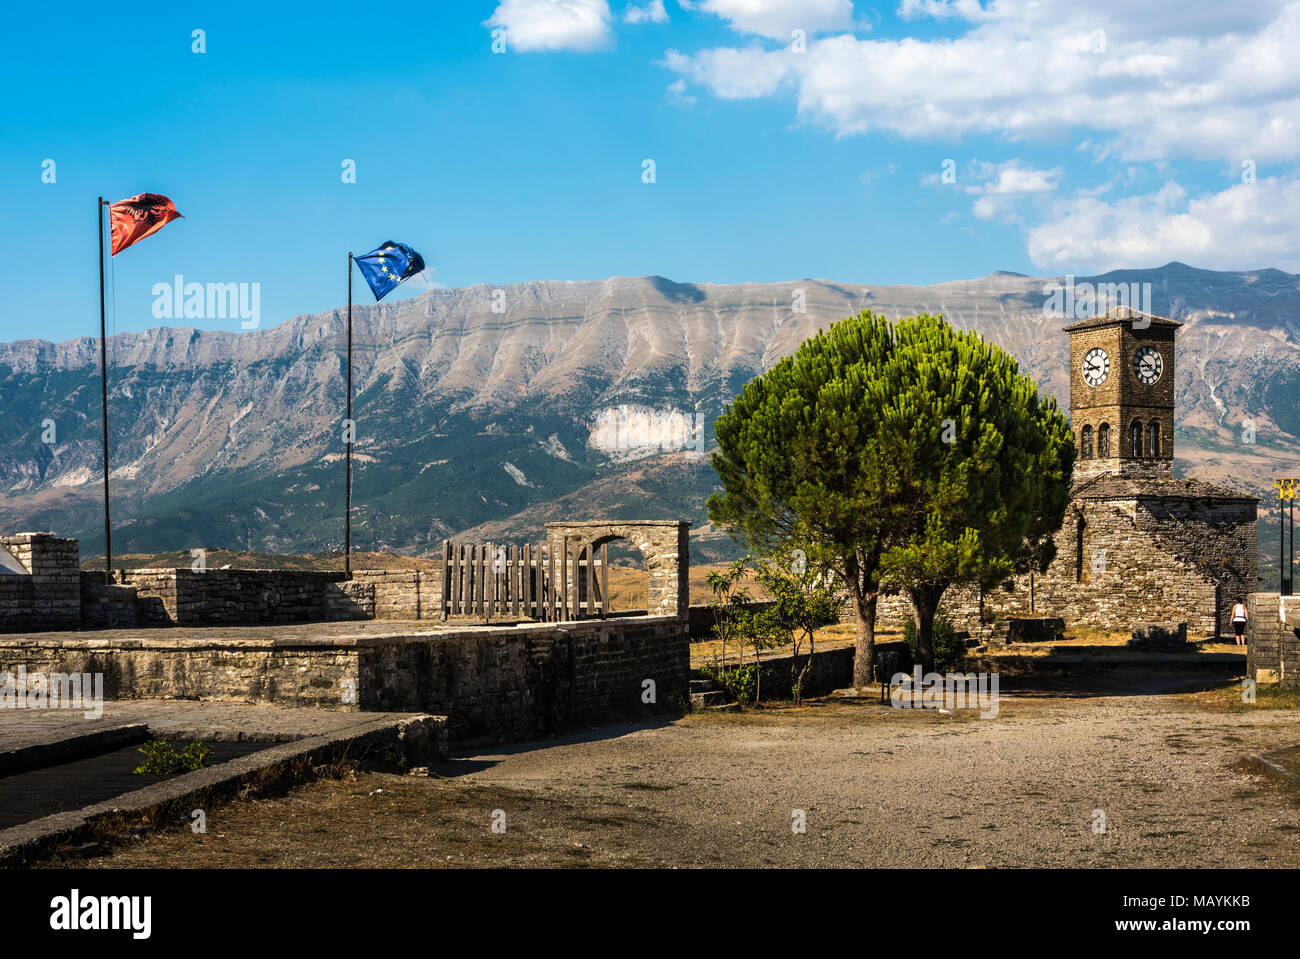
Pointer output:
138, 217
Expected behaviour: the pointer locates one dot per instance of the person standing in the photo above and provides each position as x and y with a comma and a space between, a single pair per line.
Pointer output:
1239, 622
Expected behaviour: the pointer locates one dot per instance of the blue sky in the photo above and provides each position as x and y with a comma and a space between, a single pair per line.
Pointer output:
1082, 136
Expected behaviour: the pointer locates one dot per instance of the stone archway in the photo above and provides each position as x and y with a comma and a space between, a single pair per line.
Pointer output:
664, 545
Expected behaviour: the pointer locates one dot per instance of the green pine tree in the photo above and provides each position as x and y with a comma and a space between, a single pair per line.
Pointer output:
906, 456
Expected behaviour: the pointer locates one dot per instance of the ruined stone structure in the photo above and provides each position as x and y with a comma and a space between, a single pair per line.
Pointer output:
504, 682
43, 588
1137, 546
665, 547
514, 681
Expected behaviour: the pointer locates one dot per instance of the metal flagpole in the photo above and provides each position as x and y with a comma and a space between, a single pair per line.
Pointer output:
1290, 560
347, 431
103, 390
1286, 491
1281, 541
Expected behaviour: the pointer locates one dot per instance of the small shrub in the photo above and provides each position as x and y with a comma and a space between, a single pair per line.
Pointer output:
738, 682
949, 651
160, 759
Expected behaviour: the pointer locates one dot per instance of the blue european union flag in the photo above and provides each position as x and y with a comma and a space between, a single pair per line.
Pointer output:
384, 268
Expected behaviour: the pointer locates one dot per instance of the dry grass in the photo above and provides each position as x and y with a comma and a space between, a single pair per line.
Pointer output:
378, 820
1228, 698
1086, 636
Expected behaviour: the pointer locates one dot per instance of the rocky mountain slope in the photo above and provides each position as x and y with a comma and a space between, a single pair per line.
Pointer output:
488, 412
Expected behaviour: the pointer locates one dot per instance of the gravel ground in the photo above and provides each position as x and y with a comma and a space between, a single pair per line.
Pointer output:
878, 786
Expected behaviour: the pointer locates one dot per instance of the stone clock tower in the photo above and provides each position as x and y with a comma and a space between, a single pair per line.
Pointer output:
1137, 547
1122, 395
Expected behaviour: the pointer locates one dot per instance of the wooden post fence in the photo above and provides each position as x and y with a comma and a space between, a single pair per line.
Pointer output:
529, 582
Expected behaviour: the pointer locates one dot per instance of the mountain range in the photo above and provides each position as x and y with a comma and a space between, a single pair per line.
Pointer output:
484, 412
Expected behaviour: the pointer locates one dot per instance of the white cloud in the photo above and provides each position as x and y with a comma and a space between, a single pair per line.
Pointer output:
1246, 226
1014, 178
733, 74
677, 94
1006, 185
777, 19
652, 12
943, 9
550, 25
1144, 82
999, 188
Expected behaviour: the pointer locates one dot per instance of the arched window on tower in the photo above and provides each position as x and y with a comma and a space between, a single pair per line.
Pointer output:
1135, 432
1103, 441
1153, 438
1085, 443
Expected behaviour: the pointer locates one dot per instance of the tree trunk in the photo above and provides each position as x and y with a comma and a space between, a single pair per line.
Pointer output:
925, 602
864, 656
798, 688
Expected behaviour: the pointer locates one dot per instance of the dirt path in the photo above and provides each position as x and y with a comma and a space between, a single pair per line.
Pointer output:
879, 787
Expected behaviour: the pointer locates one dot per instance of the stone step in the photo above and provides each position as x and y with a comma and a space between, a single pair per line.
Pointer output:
702, 686
709, 700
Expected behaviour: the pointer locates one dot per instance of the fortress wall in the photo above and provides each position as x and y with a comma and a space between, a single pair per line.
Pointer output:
504, 682
526, 681
188, 597
406, 594
48, 595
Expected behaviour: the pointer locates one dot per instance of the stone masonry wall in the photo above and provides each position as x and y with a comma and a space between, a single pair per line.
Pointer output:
249, 596
1124, 571
1142, 560
507, 683
528, 681
53, 594
49, 595
960, 606
1273, 644
407, 594
284, 672
1219, 538
108, 607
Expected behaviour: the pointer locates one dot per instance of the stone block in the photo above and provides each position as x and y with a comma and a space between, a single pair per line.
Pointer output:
1159, 636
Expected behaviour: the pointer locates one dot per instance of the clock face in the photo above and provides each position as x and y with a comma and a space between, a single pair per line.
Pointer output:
1096, 366
1148, 365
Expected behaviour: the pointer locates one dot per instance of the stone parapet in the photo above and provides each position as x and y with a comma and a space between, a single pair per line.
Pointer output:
1273, 639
